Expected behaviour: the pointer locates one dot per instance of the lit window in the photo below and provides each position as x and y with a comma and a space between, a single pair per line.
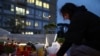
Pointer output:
46, 5
28, 33
19, 22
39, 3
16, 22
28, 23
12, 8
30, 1
30, 11
36, 24
27, 11
31, 33
20, 11
23, 33
22, 21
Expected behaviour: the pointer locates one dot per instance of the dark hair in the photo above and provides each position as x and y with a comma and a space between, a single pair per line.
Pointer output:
69, 8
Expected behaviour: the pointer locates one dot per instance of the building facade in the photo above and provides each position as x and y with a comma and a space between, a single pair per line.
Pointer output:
27, 16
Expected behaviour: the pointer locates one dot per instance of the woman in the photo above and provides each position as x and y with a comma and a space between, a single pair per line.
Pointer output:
83, 32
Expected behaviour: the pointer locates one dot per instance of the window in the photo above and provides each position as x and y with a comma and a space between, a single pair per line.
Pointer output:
12, 8
46, 15
7, 6
31, 1
39, 3
30, 11
20, 22
20, 11
45, 23
27, 12
28, 33
1, 4
38, 14
38, 24
29, 24
46, 5
8, 20
17, 22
